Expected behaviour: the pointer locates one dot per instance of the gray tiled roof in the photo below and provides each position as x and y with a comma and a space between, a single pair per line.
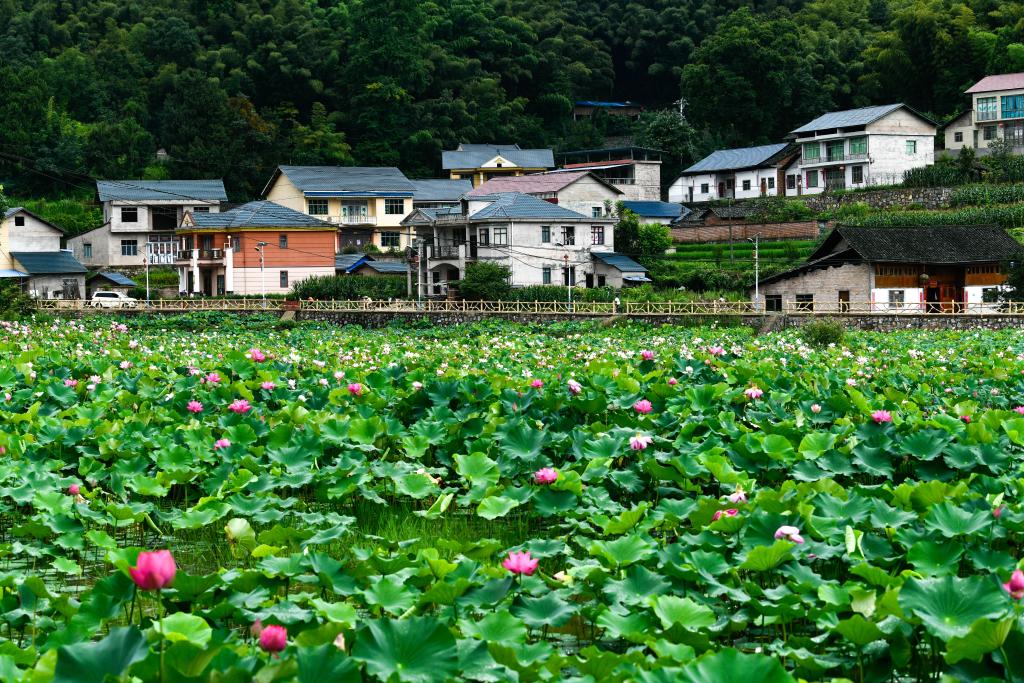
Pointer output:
114, 277
620, 262
11, 211
347, 262
161, 190
260, 214
388, 267
440, 189
732, 159
349, 179
848, 118
651, 209
518, 205
48, 262
472, 156
936, 244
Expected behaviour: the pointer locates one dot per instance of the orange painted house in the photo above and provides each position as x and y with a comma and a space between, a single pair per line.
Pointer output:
259, 247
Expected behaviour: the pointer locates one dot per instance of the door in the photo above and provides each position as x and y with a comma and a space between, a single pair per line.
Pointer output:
207, 282
844, 301
931, 297
948, 297
589, 280
354, 212
721, 189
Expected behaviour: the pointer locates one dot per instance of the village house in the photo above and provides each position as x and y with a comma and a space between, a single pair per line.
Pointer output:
741, 173
996, 113
30, 252
259, 247
579, 191
541, 243
365, 204
481, 162
923, 269
432, 193
860, 147
635, 171
108, 281
139, 218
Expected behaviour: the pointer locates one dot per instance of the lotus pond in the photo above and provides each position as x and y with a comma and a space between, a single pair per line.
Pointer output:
502, 503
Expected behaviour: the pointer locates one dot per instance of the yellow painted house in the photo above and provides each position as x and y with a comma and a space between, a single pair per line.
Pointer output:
367, 204
481, 162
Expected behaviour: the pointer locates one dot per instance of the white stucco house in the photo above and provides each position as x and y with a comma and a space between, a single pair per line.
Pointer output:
742, 173
579, 191
996, 113
30, 253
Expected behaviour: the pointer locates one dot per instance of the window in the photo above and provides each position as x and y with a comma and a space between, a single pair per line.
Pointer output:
1013, 106
812, 179
201, 209
545, 275
206, 242
601, 280
87, 250
857, 174
19, 221
746, 186
703, 188
394, 206
791, 181
812, 151
990, 132
391, 239
129, 214
597, 234
501, 235
284, 279
911, 146
129, 247
568, 235
895, 298
569, 276
773, 303
595, 212
958, 136
771, 183
859, 146
316, 207
987, 109
545, 234
804, 302
282, 241
484, 238
220, 285
730, 183
834, 151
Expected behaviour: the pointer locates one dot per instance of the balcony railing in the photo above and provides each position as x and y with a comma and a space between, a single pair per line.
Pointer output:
834, 158
351, 220
162, 259
203, 255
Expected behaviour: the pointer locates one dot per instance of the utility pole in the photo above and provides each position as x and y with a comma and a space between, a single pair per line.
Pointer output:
419, 271
145, 261
757, 269
263, 282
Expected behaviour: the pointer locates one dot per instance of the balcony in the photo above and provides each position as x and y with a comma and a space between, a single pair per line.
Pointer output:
350, 220
834, 159
161, 259
204, 255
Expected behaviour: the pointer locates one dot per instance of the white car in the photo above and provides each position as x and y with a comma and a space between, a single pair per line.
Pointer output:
112, 300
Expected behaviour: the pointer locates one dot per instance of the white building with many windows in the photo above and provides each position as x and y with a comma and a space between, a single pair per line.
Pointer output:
996, 113
860, 147
742, 173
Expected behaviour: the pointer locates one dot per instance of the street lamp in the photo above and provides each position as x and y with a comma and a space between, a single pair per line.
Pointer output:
263, 283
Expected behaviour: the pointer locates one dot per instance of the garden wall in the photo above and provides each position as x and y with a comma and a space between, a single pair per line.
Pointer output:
897, 198
796, 230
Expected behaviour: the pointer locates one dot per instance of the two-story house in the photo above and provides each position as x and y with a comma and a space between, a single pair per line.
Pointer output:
139, 219
635, 171
579, 191
481, 162
996, 113
366, 204
258, 248
861, 147
30, 252
741, 173
541, 243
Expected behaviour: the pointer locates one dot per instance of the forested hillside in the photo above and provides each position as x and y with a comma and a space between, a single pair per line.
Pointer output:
229, 88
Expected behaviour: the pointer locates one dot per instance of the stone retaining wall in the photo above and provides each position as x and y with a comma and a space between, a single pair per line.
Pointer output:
896, 198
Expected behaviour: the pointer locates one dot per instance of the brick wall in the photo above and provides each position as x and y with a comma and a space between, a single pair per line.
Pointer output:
797, 230
825, 284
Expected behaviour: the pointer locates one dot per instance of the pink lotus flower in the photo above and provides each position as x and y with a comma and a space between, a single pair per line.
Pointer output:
194, 407
1019, 410
545, 475
738, 496
257, 355
339, 642
268, 386
74, 490
815, 408
416, 386
640, 442
790, 533
240, 406
716, 350
753, 393
1015, 586
672, 381
213, 378
520, 563
643, 406
71, 383
356, 389
966, 419
256, 629
536, 384
153, 570
731, 512
997, 512
273, 638
221, 443
647, 354
124, 365
881, 416
574, 387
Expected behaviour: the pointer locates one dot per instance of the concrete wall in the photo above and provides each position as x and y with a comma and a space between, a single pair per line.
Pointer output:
34, 235
587, 194
106, 248
825, 284
680, 190
964, 125
146, 209
43, 286
646, 182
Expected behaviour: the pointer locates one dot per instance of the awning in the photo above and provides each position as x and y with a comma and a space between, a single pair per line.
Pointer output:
12, 273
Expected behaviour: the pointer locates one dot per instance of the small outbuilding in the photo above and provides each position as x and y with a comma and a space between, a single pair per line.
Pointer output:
617, 271
108, 281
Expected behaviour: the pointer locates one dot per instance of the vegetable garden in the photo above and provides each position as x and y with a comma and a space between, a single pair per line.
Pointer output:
497, 502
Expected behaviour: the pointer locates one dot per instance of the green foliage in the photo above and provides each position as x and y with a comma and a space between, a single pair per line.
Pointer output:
351, 287
485, 281
781, 210
823, 332
986, 195
1008, 216
14, 302
73, 215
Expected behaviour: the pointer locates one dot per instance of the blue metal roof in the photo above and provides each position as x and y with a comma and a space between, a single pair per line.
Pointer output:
388, 267
349, 262
115, 277
259, 214
347, 180
519, 205
161, 190
650, 209
600, 103
48, 262
619, 262
734, 159
473, 156
848, 118
8, 273
440, 189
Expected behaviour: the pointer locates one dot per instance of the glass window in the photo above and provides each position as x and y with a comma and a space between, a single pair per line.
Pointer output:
812, 179
958, 136
284, 279
206, 242
859, 146
391, 239
597, 234
857, 175
595, 212
220, 285
568, 235
990, 132
394, 206
703, 188
485, 236
895, 298
501, 235
87, 250
129, 247
129, 214
1013, 106
791, 181
545, 234
987, 109
545, 275
316, 207
569, 276
834, 150
773, 302
201, 209
812, 151
282, 241
746, 186
771, 183
911, 146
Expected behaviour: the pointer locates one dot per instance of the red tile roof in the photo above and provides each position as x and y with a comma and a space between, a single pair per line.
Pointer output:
527, 184
998, 82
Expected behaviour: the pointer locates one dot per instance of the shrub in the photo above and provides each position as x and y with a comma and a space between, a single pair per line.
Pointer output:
781, 210
485, 281
350, 287
823, 332
14, 303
